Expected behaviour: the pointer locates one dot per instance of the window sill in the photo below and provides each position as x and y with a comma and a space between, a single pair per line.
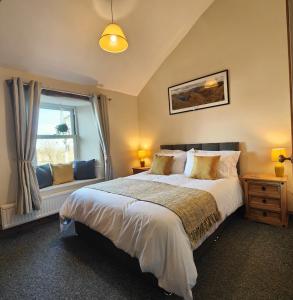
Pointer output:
68, 187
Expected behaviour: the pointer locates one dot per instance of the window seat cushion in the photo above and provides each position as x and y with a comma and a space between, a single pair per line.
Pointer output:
62, 173
84, 169
44, 176
67, 187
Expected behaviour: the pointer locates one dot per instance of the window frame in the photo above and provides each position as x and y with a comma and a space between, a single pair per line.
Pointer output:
74, 128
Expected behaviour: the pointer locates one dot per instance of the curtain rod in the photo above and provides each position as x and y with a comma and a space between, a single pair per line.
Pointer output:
66, 92
50, 92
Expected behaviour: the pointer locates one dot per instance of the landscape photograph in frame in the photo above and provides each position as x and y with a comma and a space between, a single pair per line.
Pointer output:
204, 92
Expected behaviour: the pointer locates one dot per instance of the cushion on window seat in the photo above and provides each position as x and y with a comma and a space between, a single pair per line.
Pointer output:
84, 169
62, 173
44, 176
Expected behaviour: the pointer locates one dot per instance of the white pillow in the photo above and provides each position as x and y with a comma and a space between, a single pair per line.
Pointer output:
228, 161
189, 162
178, 160
227, 165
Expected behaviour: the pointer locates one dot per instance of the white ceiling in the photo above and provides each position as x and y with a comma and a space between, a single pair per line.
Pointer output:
59, 38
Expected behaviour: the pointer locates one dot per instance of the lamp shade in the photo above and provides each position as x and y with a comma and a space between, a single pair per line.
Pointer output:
113, 39
141, 154
276, 152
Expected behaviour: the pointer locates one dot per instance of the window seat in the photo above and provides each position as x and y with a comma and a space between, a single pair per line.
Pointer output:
67, 187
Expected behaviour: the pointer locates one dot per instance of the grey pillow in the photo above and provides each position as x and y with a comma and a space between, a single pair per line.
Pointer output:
84, 169
44, 176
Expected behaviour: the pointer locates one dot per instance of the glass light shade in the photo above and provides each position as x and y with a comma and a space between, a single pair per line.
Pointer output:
276, 152
210, 84
113, 39
141, 154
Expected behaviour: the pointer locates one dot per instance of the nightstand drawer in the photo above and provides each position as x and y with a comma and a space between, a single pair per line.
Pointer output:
264, 189
264, 216
271, 204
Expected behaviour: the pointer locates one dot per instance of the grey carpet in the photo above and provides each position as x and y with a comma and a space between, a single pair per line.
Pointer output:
249, 261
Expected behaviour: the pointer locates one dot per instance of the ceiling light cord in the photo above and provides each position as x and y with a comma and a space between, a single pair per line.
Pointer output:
113, 38
112, 11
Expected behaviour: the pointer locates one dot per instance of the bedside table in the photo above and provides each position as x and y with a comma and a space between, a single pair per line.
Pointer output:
266, 199
139, 170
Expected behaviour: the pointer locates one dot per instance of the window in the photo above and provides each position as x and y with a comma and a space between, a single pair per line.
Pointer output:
57, 134
67, 130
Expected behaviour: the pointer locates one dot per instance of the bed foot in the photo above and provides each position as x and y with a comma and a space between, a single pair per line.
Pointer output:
216, 238
167, 293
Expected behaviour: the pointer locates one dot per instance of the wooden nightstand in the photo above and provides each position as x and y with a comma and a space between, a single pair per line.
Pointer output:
139, 170
266, 199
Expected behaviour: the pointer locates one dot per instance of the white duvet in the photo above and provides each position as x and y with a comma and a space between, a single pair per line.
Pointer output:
150, 232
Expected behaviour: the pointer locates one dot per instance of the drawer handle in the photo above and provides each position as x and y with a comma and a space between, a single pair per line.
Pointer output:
263, 188
264, 213
264, 201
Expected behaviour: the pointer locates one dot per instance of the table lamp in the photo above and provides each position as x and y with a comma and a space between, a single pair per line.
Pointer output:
141, 155
277, 155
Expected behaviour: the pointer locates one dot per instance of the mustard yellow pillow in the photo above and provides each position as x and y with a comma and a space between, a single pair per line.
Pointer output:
205, 167
62, 173
162, 165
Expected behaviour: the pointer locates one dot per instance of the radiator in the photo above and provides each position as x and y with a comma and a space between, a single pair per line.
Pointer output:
50, 205
52, 200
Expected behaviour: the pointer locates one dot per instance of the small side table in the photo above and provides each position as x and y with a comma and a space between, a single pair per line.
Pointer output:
266, 198
139, 170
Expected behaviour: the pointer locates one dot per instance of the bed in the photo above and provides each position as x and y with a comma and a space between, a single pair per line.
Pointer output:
150, 232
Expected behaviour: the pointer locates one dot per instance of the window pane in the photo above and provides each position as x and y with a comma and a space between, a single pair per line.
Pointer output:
55, 151
49, 119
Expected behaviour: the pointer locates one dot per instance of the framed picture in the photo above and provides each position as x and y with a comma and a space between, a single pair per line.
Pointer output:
208, 91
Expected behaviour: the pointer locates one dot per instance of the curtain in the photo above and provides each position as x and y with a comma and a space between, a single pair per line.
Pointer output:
100, 108
26, 104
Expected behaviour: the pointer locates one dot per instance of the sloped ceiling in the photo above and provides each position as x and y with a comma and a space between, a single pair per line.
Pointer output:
59, 38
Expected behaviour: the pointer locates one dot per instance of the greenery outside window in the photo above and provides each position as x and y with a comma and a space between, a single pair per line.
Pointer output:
57, 140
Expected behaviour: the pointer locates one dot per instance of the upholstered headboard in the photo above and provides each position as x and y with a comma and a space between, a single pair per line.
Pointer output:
206, 146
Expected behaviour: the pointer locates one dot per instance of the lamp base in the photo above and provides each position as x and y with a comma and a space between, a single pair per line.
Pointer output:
279, 170
142, 163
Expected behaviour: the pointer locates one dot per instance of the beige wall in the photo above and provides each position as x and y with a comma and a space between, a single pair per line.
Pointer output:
247, 37
124, 132
123, 126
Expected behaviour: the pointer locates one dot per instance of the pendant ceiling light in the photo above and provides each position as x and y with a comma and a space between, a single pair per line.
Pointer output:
113, 38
